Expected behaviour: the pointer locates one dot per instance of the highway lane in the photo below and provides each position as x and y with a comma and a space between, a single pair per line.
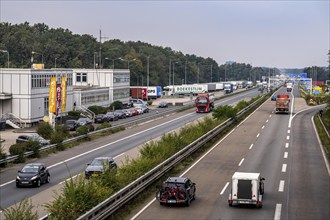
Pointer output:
286, 154
113, 145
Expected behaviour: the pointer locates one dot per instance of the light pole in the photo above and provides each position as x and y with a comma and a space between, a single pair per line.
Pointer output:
6, 51
128, 61
113, 61
95, 60
55, 62
148, 73
42, 56
173, 70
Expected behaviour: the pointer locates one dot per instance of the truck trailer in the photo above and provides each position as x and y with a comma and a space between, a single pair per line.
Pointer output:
282, 103
204, 102
246, 188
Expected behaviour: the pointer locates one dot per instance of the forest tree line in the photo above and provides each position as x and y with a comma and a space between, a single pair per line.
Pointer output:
60, 48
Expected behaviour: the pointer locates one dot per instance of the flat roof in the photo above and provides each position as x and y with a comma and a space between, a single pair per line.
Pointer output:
246, 175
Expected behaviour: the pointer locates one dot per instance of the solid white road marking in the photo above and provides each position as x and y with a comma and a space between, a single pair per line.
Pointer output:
278, 210
224, 188
258, 134
288, 137
284, 168
285, 154
263, 127
251, 146
240, 163
281, 186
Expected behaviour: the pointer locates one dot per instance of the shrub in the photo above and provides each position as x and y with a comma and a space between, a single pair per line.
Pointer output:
74, 114
241, 105
224, 112
81, 130
90, 128
116, 105
33, 146
98, 109
45, 130
62, 130
103, 125
22, 211
18, 149
56, 138
149, 102
3, 154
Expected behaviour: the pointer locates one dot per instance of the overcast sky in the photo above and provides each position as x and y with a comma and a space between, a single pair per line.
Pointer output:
291, 34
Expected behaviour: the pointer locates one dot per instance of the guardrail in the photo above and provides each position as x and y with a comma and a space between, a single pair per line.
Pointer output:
324, 128
119, 199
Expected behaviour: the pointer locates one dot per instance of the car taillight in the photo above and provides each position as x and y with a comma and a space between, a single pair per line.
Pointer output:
254, 196
234, 194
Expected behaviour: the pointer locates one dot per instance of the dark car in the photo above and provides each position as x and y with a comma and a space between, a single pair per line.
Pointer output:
145, 108
100, 118
2, 123
31, 137
127, 112
111, 116
71, 124
100, 165
176, 190
162, 105
273, 98
84, 121
120, 114
33, 174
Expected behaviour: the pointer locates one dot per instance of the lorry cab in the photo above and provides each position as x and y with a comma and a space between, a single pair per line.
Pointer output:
246, 188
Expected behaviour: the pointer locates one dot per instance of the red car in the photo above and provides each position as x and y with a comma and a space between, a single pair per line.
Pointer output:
134, 111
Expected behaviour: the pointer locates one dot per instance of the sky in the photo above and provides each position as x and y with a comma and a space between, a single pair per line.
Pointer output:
282, 34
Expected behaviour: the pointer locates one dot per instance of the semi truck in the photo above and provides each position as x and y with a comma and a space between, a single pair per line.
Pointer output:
289, 87
138, 93
228, 88
246, 188
153, 92
193, 89
204, 102
282, 103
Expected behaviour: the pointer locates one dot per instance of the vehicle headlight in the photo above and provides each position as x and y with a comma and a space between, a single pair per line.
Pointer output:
33, 178
18, 178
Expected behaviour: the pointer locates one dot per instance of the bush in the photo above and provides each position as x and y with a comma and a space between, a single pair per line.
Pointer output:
74, 114
103, 125
149, 102
18, 149
3, 155
81, 130
98, 109
62, 130
56, 138
22, 211
90, 128
241, 105
45, 130
116, 105
33, 146
224, 112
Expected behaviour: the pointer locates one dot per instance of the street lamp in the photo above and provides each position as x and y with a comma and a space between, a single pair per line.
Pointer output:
129, 61
173, 71
113, 61
6, 51
42, 57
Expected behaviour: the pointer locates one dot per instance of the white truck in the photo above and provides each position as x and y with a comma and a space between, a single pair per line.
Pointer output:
246, 188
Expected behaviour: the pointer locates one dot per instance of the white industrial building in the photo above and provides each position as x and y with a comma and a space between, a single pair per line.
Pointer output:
24, 92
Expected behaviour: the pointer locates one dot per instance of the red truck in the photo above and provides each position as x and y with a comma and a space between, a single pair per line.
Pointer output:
138, 93
204, 102
282, 103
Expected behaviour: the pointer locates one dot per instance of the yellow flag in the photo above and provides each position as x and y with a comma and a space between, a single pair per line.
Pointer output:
63, 106
52, 95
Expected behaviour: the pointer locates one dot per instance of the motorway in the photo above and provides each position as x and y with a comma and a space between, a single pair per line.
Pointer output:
283, 148
73, 161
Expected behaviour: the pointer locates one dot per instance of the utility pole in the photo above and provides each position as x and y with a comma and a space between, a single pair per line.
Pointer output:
100, 52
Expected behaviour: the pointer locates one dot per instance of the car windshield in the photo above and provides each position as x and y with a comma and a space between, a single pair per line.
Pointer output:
98, 162
37, 138
201, 100
30, 169
173, 185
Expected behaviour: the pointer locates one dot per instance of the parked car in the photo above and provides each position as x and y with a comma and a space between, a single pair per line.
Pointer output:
100, 118
100, 165
162, 105
33, 174
120, 114
111, 116
127, 112
2, 123
140, 110
176, 190
71, 124
84, 121
31, 137
145, 109
134, 111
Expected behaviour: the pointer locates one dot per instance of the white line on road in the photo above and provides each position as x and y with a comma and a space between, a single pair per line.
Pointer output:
271, 115
251, 146
286, 145
284, 168
258, 134
267, 121
224, 188
288, 137
289, 131
240, 163
278, 210
285, 154
263, 127
281, 186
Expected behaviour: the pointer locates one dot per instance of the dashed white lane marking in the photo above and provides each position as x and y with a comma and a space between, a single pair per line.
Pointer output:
289, 131
263, 127
224, 188
281, 186
240, 163
270, 116
285, 154
288, 137
251, 146
258, 134
278, 210
286, 145
284, 168
267, 121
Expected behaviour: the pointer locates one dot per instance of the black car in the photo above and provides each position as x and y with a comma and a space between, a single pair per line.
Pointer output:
2, 123
120, 114
31, 137
84, 121
176, 190
33, 174
99, 165
274, 98
162, 105
100, 118
111, 116
71, 124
